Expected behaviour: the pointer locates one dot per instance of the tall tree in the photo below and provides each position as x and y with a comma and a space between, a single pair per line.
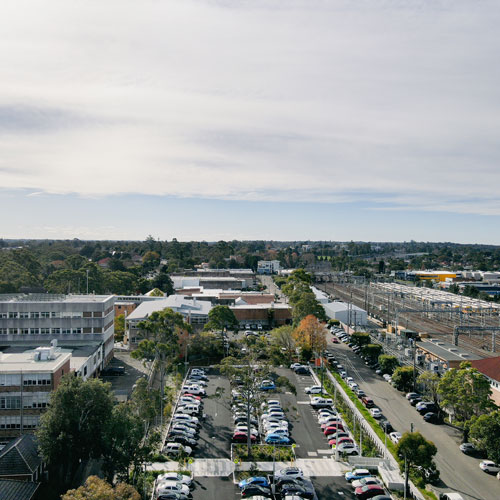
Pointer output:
403, 378
311, 334
413, 450
485, 433
221, 318
283, 338
372, 351
430, 382
388, 363
465, 392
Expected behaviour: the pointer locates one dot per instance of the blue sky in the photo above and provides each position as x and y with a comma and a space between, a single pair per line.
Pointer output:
208, 119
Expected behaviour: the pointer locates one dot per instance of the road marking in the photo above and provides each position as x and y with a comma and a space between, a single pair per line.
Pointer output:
312, 454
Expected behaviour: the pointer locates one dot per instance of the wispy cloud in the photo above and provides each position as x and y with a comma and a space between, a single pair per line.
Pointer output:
387, 102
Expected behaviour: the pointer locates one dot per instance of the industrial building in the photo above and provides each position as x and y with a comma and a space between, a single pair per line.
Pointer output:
349, 314
439, 356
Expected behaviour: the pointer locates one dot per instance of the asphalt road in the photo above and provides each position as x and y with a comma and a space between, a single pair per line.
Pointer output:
459, 472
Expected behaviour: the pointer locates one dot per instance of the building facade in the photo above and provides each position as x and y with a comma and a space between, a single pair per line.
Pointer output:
73, 320
268, 266
26, 381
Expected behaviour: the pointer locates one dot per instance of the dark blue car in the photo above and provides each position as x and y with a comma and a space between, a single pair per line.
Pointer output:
258, 480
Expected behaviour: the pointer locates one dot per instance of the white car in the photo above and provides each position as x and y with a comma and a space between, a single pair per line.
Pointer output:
353, 385
386, 376
176, 449
294, 365
395, 437
280, 432
176, 476
194, 389
315, 389
489, 466
348, 448
183, 417
293, 472
376, 413
366, 481
349, 379
192, 381
243, 428
163, 487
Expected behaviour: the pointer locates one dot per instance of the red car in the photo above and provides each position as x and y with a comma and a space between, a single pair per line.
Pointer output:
241, 437
331, 423
341, 440
368, 402
192, 396
368, 491
333, 429
335, 340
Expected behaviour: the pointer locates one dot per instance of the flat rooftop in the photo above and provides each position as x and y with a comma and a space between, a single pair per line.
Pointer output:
25, 362
50, 297
446, 351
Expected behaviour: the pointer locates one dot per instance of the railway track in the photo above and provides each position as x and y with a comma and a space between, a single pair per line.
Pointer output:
437, 324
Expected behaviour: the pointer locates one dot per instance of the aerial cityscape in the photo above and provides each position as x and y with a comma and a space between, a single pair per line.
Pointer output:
249, 249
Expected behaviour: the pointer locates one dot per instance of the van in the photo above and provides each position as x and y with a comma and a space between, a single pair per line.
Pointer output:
321, 402
189, 409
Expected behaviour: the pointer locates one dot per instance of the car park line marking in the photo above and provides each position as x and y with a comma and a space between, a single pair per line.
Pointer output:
312, 454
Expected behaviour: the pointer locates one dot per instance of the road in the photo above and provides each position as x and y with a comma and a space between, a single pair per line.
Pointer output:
459, 472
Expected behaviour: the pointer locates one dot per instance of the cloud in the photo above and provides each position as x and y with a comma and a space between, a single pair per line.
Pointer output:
383, 102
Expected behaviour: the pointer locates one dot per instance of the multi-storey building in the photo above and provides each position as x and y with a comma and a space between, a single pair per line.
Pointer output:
73, 320
268, 266
26, 380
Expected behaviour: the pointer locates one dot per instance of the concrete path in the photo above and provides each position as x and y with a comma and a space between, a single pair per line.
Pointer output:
217, 467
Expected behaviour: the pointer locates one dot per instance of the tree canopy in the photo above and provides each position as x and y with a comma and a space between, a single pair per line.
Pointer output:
388, 363
98, 489
221, 318
310, 334
485, 433
403, 378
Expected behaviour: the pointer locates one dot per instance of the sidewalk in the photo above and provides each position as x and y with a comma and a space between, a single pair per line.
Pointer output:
223, 467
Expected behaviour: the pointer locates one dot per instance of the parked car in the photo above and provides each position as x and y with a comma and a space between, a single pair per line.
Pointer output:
395, 437
315, 389
375, 412
415, 400
368, 491
386, 425
289, 472
428, 408
302, 370
433, 418
332, 429
293, 366
368, 402
348, 448
267, 385
356, 474
468, 448
411, 395
258, 480
176, 476
241, 437
366, 480
276, 439
253, 490
298, 489
168, 486
489, 466
318, 402
176, 449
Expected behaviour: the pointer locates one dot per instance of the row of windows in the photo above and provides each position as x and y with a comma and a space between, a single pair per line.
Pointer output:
14, 380
51, 314
33, 400
40, 331
14, 422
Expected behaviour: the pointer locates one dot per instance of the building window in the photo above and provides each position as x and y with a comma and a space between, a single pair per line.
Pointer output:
34, 331
56, 330
54, 315
66, 331
13, 315
45, 314
77, 330
3, 315
34, 315
45, 331
13, 331
24, 315
25, 331
3, 331
8, 380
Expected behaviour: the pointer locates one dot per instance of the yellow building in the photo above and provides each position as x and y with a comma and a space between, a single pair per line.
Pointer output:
435, 275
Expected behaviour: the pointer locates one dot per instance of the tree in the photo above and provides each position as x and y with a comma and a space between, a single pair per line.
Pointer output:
283, 338
360, 338
73, 427
388, 363
430, 381
221, 318
306, 305
372, 351
164, 329
465, 392
119, 326
164, 283
485, 434
413, 451
311, 334
206, 347
403, 378
98, 489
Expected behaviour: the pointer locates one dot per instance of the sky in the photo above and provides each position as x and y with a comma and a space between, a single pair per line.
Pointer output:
369, 120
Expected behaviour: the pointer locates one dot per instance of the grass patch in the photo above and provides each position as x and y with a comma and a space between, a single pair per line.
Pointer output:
263, 453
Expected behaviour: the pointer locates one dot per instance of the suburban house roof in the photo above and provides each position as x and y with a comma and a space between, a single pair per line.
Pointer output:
20, 457
17, 490
489, 367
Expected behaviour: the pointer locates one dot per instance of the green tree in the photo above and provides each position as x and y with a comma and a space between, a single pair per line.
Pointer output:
98, 489
283, 338
119, 326
403, 378
465, 392
164, 329
372, 351
485, 434
164, 283
413, 451
206, 347
360, 338
306, 305
388, 363
221, 318
73, 427
430, 382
